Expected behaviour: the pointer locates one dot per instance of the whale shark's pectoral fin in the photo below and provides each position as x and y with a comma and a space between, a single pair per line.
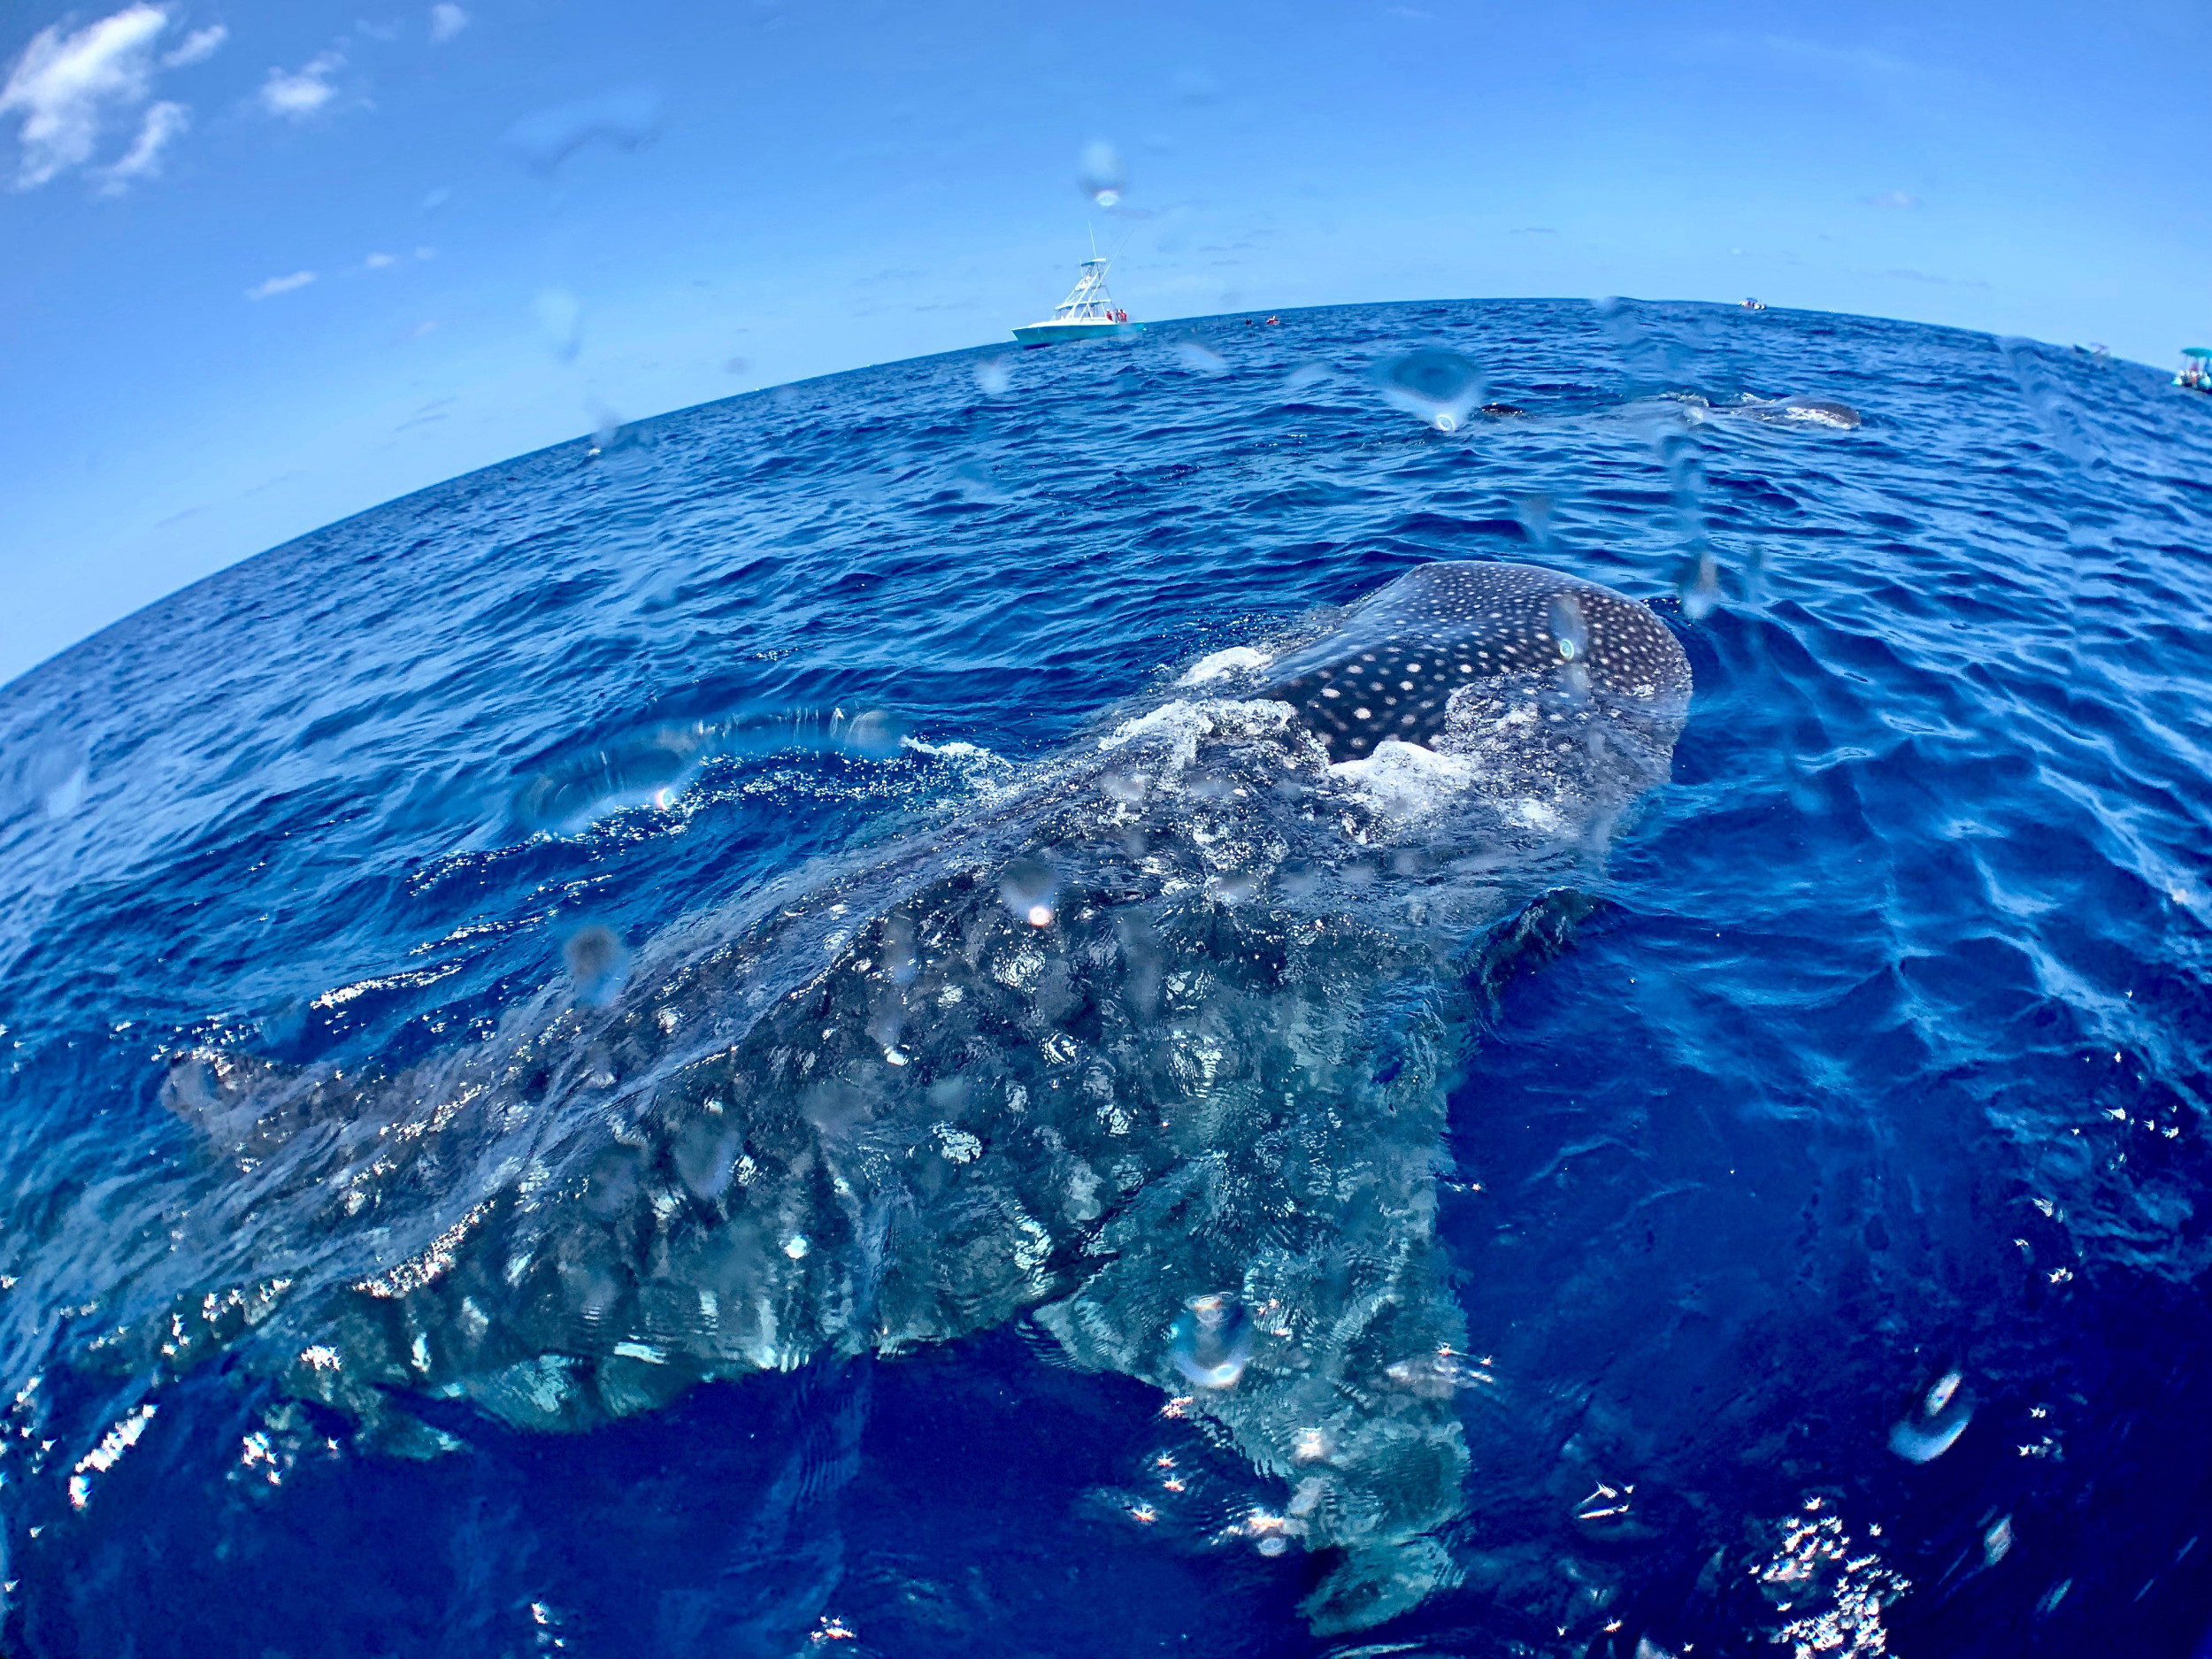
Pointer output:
1331, 1389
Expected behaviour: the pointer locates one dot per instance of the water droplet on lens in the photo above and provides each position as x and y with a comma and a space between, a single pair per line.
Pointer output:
651, 767
624, 118
1997, 1542
54, 777
1101, 174
1568, 631
1194, 84
1028, 887
1233, 887
598, 961
1535, 515
1936, 1421
1200, 359
559, 315
1210, 1341
2042, 379
1699, 588
1940, 1393
1441, 386
606, 426
993, 378
876, 733
1439, 1375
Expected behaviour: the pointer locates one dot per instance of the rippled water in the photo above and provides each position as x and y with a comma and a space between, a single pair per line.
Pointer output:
1825, 1189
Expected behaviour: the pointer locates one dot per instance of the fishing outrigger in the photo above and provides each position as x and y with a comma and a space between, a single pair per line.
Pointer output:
1087, 313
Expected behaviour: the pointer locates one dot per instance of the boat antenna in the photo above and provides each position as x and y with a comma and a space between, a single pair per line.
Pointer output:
1094, 231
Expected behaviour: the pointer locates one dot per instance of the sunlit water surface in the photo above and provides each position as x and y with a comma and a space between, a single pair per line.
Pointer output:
1827, 1192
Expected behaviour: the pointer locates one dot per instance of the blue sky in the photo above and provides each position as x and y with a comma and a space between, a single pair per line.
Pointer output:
267, 265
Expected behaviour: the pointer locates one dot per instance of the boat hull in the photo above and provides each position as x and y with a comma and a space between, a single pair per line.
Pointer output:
1053, 333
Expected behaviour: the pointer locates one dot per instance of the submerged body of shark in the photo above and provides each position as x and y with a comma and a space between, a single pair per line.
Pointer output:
1152, 1048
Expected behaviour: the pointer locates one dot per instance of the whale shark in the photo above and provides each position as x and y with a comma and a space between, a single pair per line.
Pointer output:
1150, 1048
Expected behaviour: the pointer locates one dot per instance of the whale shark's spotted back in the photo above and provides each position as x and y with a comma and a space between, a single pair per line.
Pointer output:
1390, 670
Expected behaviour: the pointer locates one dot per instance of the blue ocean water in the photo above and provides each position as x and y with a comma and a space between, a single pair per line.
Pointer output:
1825, 1191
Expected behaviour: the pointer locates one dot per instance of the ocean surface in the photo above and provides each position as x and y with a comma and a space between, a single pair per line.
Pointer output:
1826, 1191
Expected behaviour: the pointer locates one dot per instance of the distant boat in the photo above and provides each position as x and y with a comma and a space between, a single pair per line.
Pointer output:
1754, 305
1087, 313
2196, 369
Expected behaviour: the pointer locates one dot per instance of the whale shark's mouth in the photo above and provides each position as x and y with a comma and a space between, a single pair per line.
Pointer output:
1414, 659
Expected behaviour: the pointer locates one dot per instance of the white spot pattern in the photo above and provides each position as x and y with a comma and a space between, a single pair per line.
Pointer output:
1406, 648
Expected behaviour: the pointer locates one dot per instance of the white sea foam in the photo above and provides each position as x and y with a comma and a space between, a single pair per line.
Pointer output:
1185, 724
1236, 659
1405, 781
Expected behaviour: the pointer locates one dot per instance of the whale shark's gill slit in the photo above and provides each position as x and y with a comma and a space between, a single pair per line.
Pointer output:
655, 764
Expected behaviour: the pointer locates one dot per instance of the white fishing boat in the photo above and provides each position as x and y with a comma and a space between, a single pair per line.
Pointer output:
1087, 313
2196, 368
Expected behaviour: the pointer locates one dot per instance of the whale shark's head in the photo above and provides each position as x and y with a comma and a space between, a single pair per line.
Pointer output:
1417, 656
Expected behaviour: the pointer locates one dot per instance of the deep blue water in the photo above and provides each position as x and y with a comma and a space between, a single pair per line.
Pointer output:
1879, 1055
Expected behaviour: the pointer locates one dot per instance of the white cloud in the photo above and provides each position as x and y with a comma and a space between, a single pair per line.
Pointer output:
447, 20
64, 87
279, 285
164, 122
197, 47
377, 261
300, 92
